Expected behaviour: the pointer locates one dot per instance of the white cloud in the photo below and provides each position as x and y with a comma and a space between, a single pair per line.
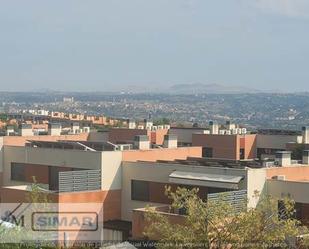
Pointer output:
292, 8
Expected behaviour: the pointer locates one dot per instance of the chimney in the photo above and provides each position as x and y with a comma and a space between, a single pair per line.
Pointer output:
170, 141
86, 129
305, 133
54, 129
10, 130
214, 127
167, 127
230, 126
131, 124
142, 142
283, 158
148, 124
306, 157
244, 130
26, 130
75, 127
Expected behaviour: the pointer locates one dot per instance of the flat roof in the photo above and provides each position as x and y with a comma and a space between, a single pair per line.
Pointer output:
278, 132
189, 128
216, 162
205, 179
73, 145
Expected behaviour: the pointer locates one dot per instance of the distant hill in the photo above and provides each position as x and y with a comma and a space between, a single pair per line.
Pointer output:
195, 88
191, 88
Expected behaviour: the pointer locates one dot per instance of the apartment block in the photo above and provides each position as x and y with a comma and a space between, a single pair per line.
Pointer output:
127, 135
131, 169
234, 147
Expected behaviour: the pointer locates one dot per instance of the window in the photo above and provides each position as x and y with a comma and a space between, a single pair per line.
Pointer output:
213, 190
139, 190
18, 172
242, 154
207, 152
266, 151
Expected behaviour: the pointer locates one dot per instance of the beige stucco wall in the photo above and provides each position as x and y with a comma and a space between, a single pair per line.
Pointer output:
275, 141
52, 157
157, 172
256, 181
297, 191
111, 170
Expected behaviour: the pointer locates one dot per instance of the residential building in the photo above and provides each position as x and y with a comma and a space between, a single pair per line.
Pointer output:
234, 147
131, 169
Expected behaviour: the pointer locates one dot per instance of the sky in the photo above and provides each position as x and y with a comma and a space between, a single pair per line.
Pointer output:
104, 45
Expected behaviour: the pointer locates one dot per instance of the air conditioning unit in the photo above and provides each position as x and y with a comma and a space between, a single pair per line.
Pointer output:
221, 132
279, 177
160, 127
269, 164
123, 147
86, 129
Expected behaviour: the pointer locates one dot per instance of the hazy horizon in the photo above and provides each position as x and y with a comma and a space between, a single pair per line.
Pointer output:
111, 45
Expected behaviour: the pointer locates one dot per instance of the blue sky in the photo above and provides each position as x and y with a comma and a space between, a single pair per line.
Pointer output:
105, 45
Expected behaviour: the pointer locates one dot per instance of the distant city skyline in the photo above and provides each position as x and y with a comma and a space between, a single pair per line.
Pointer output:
111, 45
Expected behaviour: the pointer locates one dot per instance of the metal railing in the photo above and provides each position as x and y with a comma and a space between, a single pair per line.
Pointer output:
82, 180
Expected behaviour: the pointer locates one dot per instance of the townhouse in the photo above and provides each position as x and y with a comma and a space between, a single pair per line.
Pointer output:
131, 172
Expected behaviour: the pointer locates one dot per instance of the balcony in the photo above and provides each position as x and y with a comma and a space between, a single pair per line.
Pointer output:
139, 222
236, 199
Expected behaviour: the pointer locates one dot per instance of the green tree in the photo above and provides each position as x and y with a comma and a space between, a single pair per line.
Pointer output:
3, 117
22, 237
297, 152
217, 224
161, 121
37, 195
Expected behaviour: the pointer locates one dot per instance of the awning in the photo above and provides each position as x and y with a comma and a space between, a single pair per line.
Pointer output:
206, 180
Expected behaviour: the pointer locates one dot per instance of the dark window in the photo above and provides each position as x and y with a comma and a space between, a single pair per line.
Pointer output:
139, 190
207, 152
242, 154
18, 172
298, 211
213, 190
266, 151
